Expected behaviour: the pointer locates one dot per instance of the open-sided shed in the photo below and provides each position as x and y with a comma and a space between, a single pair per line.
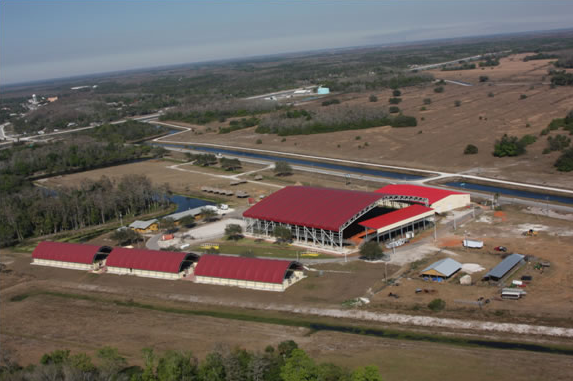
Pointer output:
254, 273
442, 269
70, 255
504, 267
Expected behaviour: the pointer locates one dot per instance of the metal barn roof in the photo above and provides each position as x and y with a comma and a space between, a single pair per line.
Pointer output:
240, 268
320, 208
432, 194
150, 260
447, 267
66, 252
504, 267
396, 216
138, 224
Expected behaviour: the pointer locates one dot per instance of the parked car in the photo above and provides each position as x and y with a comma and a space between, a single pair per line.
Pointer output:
500, 248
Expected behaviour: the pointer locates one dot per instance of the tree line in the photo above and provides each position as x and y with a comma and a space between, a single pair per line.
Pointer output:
36, 211
335, 119
286, 362
20, 162
129, 131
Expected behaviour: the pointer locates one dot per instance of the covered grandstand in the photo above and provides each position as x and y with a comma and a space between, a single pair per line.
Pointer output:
70, 255
441, 200
253, 273
150, 263
331, 218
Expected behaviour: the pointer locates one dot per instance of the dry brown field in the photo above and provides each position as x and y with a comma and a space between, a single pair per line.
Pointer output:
38, 325
439, 139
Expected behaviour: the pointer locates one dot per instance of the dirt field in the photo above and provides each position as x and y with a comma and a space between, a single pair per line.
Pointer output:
445, 125
85, 326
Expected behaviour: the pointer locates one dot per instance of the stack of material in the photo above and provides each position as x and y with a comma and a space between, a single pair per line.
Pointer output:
258, 177
237, 182
466, 280
242, 194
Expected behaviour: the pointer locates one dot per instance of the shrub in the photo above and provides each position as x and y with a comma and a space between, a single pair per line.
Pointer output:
329, 102
508, 146
427, 101
470, 150
523, 96
558, 143
394, 110
483, 78
457, 103
394, 101
490, 94
527, 140
357, 138
371, 251
373, 98
423, 108
565, 162
259, 141
396, 93
437, 305
439, 89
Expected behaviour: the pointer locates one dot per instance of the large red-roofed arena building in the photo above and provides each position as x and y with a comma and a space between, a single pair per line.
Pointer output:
334, 218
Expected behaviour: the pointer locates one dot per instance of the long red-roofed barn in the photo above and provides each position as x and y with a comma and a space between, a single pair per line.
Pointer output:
441, 200
253, 273
70, 255
150, 263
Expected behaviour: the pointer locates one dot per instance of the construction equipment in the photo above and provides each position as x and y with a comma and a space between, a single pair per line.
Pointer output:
530, 233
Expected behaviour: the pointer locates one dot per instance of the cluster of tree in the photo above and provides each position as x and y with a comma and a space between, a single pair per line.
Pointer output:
565, 62
557, 143
130, 131
23, 161
333, 101
336, 119
561, 78
371, 251
240, 124
282, 234
509, 146
298, 113
230, 164
394, 100
36, 211
565, 162
205, 113
203, 159
286, 362
282, 168
489, 61
470, 150
464, 66
540, 56
234, 231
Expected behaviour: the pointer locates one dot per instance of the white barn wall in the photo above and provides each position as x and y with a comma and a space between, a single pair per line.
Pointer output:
64, 265
144, 273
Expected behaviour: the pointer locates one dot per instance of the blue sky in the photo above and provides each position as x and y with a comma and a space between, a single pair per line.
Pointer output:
50, 39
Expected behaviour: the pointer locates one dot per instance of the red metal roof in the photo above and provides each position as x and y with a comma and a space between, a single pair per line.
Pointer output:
321, 208
432, 194
395, 216
240, 268
66, 252
150, 260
